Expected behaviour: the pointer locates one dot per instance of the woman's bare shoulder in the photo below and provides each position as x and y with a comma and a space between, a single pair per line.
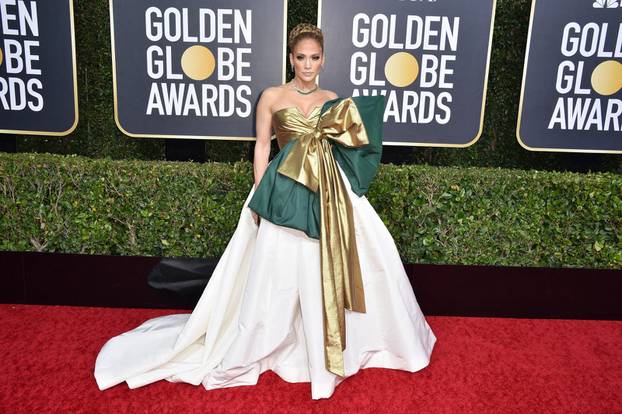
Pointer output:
272, 94
330, 94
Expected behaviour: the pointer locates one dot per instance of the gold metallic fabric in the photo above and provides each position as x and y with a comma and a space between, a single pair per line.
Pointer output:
311, 163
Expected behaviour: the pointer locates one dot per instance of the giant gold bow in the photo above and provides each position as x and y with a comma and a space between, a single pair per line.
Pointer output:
311, 163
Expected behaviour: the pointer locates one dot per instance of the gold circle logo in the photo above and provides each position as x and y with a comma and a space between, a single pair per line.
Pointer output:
1, 56
607, 77
401, 69
198, 62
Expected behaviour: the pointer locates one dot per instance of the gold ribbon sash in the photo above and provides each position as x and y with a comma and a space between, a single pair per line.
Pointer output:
311, 163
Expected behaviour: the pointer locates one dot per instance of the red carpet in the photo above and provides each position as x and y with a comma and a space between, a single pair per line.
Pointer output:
479, 365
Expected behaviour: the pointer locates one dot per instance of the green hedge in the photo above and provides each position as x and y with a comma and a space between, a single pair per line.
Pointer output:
98, 137
74, 204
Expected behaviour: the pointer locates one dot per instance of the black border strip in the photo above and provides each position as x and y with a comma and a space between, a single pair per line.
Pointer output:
451, 290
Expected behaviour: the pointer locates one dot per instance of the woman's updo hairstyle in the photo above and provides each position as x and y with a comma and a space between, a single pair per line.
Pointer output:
304, 31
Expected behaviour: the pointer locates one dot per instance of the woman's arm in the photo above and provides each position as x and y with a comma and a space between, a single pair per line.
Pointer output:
263, 126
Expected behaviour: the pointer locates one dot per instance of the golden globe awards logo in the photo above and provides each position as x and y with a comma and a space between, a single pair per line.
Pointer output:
184, 68
21, 87
170, 92
586, 97
428, 58
426, 54
37, 67
571, 91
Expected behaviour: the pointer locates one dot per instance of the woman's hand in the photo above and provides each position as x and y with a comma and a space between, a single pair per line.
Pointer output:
255, 217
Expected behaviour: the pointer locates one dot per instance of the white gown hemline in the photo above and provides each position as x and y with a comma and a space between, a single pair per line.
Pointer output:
262, 310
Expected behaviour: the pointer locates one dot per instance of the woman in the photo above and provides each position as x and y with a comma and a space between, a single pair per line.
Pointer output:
311, 285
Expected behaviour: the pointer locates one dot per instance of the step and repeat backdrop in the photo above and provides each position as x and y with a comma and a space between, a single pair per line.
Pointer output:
38, 89
428, 58
195, 69
570, 98
186, 70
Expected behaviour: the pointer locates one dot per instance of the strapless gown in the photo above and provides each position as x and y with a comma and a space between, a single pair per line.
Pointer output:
264, 305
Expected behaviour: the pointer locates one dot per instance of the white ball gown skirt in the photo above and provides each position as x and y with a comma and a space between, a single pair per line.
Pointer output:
262, 310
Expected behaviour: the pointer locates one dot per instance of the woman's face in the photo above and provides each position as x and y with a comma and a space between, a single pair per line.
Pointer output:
307, 59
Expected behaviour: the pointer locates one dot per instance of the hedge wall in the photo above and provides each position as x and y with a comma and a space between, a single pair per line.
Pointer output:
97, 136
454, 215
